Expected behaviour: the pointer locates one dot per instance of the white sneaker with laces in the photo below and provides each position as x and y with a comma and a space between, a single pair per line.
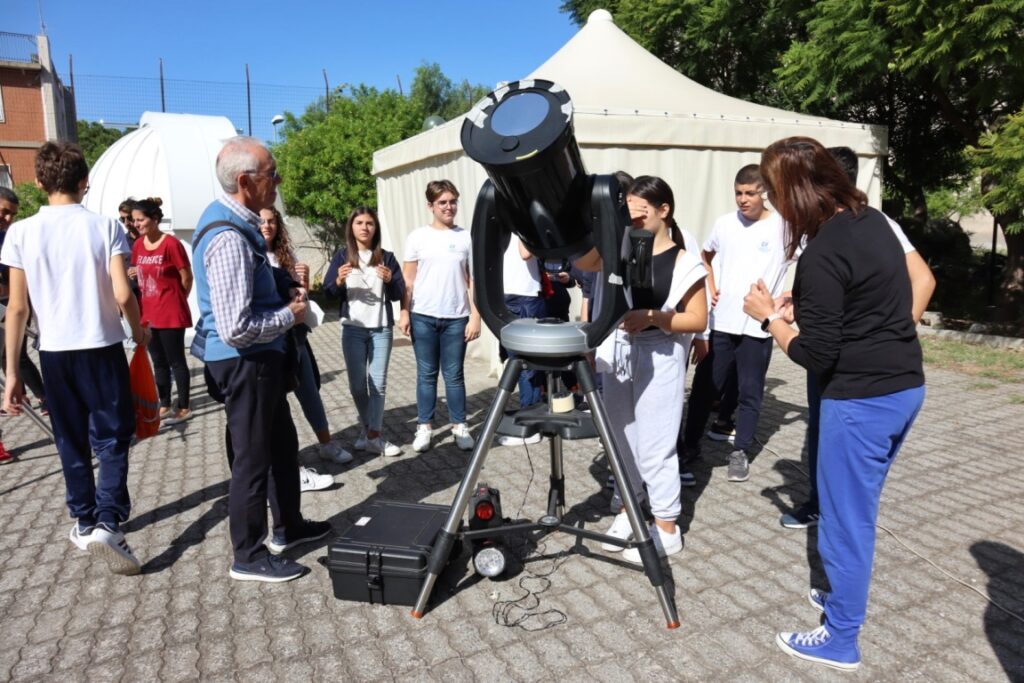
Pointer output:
113, 549
81, 538
335, 453
620, 528
504, 440
422, 440
311, 480
382, 446
463, 439
665, 543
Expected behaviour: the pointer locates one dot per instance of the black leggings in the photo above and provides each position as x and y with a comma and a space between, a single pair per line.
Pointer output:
168, 353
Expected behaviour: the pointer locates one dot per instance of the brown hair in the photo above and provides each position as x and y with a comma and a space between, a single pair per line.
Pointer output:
281, 246
149, 207
436, 188
376, 254
807, 187
749, 175
61, 167
657, 192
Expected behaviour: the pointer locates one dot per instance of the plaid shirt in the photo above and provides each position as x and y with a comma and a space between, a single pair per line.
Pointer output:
230, 263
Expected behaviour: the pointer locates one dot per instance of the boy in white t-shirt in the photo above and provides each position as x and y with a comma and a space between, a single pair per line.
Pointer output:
71, 262
750, 245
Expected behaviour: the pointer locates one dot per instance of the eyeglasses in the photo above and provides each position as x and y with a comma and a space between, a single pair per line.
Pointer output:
272, 174
448, 202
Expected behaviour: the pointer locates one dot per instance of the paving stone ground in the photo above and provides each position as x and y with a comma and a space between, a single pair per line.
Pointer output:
953, 538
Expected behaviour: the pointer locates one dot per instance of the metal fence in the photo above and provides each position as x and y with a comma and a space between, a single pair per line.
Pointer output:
119, 101
18, 47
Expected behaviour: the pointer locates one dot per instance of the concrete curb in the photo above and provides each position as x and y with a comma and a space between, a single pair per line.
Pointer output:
991, 340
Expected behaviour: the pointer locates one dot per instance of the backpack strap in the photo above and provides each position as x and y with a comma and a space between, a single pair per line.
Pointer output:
226, 224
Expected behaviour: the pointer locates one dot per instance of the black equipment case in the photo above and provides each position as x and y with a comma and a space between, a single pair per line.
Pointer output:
382, 558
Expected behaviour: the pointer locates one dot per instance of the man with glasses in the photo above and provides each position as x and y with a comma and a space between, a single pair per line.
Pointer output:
243, 323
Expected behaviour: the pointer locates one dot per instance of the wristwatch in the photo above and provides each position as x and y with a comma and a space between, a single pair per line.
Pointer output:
768, 321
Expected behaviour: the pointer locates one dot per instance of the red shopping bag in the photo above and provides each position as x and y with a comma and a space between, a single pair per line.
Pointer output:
147, 402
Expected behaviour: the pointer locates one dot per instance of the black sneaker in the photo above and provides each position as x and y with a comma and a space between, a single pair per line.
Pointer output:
801, 518
722, 431
270, 569
307, 533
739, 468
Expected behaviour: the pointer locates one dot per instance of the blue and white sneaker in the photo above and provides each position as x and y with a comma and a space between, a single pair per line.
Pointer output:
820, 647
817, 599
269, 568
307, 533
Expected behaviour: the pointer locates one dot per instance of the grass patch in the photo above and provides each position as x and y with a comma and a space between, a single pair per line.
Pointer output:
1000, 365
983, 386
1017, 399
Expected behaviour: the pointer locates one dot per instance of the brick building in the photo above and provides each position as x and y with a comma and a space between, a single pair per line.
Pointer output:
34, 105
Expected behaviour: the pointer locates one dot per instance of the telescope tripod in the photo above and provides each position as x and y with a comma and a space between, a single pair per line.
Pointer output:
554, 425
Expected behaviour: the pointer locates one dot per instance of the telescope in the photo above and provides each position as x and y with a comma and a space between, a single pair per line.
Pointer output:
522, 134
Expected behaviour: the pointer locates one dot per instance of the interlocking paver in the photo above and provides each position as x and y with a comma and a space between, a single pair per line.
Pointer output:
954, 496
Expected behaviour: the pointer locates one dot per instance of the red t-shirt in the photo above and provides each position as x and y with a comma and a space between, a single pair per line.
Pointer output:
162, 298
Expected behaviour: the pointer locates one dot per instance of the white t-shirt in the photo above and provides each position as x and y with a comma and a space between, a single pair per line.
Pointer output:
900, 235
522, 276
65, 252
442, 260
747, 252
365, 295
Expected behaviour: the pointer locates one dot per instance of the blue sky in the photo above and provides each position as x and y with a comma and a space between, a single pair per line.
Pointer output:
289, 43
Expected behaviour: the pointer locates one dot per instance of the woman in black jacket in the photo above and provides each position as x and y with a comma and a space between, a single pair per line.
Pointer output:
852, 301
367, 279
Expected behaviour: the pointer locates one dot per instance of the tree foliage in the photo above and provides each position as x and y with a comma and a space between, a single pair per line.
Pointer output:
30, 198
326, 154
94, 139
999, 157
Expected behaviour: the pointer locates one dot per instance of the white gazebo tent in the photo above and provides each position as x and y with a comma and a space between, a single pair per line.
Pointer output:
632, 112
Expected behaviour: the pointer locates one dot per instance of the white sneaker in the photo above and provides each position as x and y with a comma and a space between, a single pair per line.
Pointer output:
422, 440
114, 550
383, 446
335, 453
463, 439
311, 480
666, 544
620, 528
517, 440
81, 538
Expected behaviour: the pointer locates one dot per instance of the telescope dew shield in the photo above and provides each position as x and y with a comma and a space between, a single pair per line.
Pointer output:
522, 134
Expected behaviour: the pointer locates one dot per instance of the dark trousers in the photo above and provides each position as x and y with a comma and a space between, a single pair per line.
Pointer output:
688, 444
262, 449
92, 411
168, 353
813, 435
733, 355
530, 381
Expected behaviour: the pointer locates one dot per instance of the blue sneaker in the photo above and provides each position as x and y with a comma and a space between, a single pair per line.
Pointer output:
817, 599
270, 568
821, 647
307, 533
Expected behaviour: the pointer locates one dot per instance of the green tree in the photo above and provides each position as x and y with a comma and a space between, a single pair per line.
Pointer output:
325, 158
435, 93
94, 139
30, 198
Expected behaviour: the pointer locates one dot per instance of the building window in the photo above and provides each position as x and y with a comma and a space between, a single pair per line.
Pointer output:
5, 177
2, 119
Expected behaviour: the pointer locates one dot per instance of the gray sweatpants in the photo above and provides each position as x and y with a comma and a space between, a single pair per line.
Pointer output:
644, 398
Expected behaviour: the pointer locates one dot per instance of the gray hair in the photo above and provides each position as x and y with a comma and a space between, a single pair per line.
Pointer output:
236, 158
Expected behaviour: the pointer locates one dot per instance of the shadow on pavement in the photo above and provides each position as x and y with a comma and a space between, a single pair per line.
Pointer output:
1004, 566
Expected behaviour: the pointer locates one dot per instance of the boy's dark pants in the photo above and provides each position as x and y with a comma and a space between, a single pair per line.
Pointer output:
91, 410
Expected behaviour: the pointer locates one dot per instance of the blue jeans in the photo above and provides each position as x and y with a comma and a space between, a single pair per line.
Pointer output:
367, 353
91, 410
529, 380
309, 394
859, 441
440, 344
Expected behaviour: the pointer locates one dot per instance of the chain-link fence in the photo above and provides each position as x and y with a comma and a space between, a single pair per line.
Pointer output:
119, 101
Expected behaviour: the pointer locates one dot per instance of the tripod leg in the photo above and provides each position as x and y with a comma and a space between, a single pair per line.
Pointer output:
644, 542
446, 537
556, 492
